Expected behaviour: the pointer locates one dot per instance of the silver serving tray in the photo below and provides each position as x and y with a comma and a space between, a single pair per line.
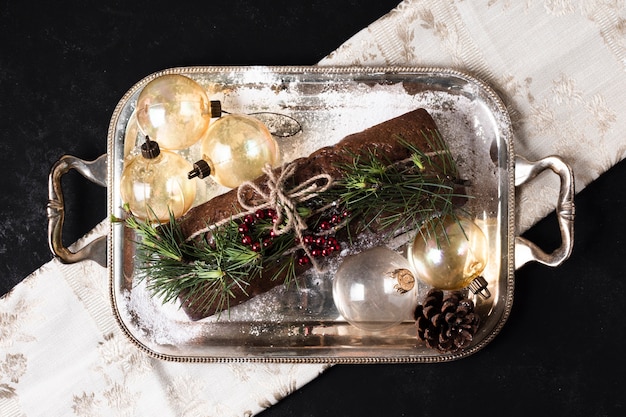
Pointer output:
301, 324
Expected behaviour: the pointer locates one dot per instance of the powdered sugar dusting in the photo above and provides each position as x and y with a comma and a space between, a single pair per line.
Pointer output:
163, 323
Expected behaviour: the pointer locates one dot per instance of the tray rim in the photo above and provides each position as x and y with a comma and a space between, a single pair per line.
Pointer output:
342, 70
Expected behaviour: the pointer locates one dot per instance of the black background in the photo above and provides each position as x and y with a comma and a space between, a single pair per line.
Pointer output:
64, 66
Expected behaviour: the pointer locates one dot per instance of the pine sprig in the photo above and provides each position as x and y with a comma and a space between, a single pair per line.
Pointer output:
392, 197
163, 241
203, 274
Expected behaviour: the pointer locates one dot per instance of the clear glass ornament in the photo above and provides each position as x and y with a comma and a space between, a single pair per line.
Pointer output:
155, 182
174, 111
449, 252
235, 149
375, 290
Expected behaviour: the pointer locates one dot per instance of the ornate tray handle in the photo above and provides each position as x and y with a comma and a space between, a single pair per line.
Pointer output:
526, 251
95, 171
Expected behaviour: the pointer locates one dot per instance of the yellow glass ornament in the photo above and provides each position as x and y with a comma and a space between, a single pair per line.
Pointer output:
155, 183
449, 253
174, 111
235, 149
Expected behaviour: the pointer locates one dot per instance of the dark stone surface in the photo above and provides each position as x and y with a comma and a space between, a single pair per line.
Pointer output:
64, 66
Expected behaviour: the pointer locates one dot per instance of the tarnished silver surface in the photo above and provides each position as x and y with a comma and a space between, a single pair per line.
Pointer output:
301, 324
526, 251
96, 172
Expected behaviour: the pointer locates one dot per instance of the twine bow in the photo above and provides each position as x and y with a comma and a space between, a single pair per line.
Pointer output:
283, 201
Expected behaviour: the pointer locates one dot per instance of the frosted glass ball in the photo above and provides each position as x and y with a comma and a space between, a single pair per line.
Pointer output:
372, 290
154, 187
237, 147
174, 111
449, 254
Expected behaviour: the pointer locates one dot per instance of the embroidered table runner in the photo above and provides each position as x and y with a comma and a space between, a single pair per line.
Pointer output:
560, 68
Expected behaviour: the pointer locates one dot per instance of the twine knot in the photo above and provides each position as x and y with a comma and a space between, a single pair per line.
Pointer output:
281, 200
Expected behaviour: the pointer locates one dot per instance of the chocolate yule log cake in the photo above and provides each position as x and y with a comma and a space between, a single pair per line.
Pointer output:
380, 182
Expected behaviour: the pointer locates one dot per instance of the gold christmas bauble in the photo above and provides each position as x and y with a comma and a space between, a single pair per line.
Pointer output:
155, 183
174, 111
237, 147
449, 252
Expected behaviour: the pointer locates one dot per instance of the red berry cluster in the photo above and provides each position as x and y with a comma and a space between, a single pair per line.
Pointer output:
247, 230
321, 245
256, 232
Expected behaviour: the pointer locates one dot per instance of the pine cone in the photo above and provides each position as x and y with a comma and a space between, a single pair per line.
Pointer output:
448, 323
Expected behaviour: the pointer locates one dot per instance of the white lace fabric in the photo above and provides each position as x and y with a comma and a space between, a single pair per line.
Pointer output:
559, 65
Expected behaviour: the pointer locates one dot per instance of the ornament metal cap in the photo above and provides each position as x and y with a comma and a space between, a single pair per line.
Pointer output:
201, 169
405, 280
150, 149
479, 286
216, 108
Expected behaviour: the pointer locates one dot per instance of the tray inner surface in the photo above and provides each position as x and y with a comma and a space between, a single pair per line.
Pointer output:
301, 321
